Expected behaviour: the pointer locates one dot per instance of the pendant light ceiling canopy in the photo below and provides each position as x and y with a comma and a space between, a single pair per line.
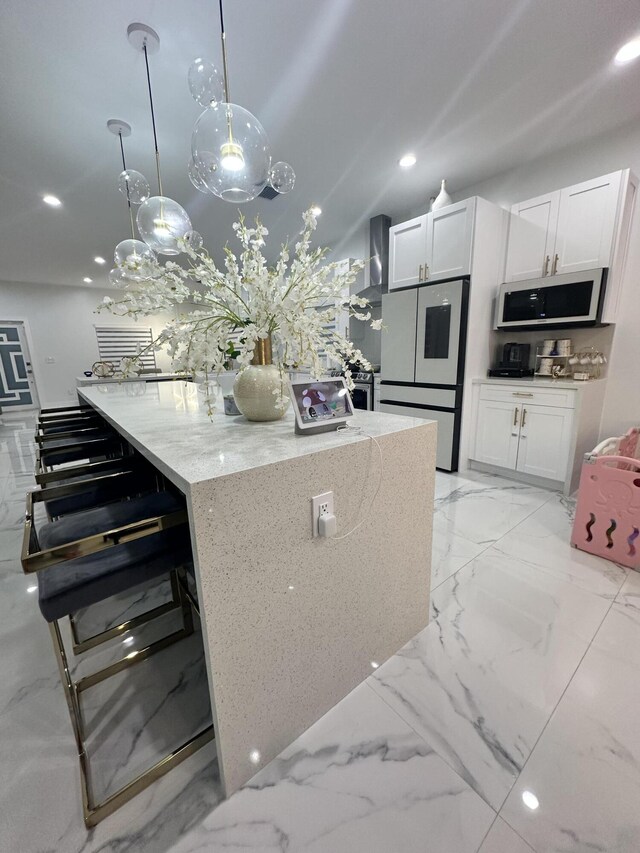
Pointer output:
231, 154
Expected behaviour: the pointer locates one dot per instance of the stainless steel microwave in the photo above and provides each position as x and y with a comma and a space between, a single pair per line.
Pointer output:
559, 301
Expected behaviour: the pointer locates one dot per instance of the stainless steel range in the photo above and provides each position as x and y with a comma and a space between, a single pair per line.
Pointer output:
362, 394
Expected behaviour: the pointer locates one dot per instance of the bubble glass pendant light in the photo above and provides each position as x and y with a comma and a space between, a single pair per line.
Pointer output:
230, 149
130, 254
162, 222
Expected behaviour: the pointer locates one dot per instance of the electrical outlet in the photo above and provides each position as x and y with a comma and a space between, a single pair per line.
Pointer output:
320, 505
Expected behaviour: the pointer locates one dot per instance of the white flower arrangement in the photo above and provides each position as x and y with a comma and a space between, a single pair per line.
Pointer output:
294, 302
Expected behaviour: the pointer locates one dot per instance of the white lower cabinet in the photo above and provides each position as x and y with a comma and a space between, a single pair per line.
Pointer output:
527, 429
545, 441
497, 433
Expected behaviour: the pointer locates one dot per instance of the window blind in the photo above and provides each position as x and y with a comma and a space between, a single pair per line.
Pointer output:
118, 342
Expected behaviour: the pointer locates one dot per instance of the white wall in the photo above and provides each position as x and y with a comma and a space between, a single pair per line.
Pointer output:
61, 323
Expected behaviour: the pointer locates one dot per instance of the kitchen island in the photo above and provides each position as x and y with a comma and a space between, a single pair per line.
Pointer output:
290, 623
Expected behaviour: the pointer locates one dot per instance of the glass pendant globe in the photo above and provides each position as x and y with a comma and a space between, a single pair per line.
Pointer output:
196, 178
130, 253
134, 186
162, 222
205, 83
231, 152
194, 239
117, 277
282, 177
132, 258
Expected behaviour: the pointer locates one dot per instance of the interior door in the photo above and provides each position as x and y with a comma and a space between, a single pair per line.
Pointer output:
441, 310
17, 386
449, 239
545, 441
497, 431
398, 345
586, 224
532, 233
407, 252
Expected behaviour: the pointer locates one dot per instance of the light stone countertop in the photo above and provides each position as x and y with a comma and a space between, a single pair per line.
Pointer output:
536, 381
81, 381
168, 423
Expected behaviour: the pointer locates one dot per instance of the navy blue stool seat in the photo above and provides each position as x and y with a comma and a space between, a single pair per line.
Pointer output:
80, 582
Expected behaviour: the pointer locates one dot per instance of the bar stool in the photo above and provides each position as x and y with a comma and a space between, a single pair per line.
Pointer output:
86, 557
79, 488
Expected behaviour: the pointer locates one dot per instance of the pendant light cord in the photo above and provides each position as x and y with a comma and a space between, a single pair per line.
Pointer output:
224, 55
126, 183
153, 120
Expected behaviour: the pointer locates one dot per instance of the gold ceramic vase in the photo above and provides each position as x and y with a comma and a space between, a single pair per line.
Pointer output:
259, 390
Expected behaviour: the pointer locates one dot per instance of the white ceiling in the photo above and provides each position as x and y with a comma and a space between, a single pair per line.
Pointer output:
343, 88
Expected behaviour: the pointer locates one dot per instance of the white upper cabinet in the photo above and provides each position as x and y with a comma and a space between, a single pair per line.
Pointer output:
532, 235
577, 228
431, 247
407, 252
449, 240
586, 224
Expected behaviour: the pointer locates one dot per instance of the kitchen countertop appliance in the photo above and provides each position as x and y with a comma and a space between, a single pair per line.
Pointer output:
514, 361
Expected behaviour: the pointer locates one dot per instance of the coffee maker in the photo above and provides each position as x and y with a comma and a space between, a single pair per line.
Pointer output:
513, 361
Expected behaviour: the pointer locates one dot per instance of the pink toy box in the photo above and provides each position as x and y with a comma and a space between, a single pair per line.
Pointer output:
607, 521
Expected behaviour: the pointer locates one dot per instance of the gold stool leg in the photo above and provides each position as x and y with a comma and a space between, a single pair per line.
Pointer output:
95, 812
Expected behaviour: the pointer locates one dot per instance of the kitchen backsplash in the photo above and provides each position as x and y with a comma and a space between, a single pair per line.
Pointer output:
582, 339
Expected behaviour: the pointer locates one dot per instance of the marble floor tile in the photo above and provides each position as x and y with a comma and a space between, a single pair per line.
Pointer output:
360, 779
585, 770
480, 682
502, 839
473, 516
543, 540
620, 631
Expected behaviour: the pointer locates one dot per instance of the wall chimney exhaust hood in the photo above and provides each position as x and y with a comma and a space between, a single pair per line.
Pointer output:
378, 278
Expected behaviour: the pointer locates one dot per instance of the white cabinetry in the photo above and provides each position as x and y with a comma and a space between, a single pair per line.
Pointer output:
586, 224
431, 247
498, 433
545, 441
532, 234
449, 236
407, 252
581, 227
535, 431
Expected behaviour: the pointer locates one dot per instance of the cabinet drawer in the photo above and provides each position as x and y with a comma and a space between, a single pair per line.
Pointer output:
441, 397
560, 397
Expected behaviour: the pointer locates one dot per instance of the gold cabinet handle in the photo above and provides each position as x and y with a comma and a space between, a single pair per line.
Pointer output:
545, 270
522, 394
554, 268
524, 417
420, 273
515, 416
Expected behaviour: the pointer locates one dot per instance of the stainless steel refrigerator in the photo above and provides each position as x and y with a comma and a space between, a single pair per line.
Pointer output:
423, 353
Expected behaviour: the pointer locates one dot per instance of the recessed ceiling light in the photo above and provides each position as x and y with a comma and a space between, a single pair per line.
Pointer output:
87, 280
407, 161
530, 800
99, 260
628, 51
51, 200
316, 210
